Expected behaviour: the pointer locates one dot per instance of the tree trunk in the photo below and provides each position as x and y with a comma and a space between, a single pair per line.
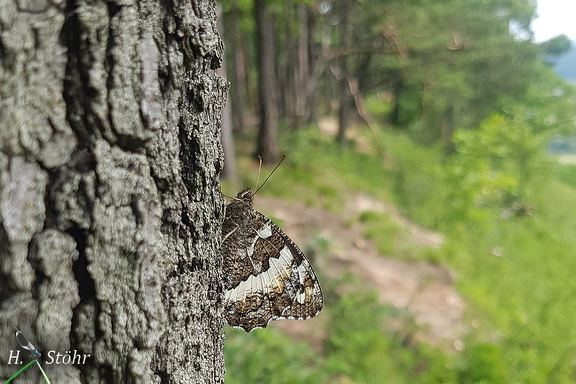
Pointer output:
229, 169
286, 62
299, 69
110, 208
239, 89
267, 85
343, 89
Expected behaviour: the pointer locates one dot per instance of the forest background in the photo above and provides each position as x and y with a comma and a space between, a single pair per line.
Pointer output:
443, 112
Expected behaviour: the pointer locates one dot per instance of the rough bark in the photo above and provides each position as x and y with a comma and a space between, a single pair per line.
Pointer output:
110, 207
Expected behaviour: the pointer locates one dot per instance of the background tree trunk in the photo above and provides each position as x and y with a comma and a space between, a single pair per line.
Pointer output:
343, 82
110, 204
239, 88
267, 85
229, 169
299, 69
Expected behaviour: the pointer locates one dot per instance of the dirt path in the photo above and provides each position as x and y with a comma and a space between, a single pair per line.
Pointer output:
425, 290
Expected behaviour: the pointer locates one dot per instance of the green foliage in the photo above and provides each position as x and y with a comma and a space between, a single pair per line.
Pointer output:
566, 174
316, 245
520, 293
356, 351
390, 238
379, 106
267, 356
408, 109
456, 60
556, 46
506, 219
381, 229
324, 172
515, 272
482, 363
359, 348
492, 168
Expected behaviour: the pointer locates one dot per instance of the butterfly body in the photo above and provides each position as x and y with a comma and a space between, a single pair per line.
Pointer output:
266, 275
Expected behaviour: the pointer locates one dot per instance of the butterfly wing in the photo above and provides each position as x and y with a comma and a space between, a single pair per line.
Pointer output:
268, 276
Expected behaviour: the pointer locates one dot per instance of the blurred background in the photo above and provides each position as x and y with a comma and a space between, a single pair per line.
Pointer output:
430, 179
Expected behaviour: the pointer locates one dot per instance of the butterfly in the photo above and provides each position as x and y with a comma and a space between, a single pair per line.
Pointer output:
266, 276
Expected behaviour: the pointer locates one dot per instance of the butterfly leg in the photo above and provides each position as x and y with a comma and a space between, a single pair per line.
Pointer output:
230, 233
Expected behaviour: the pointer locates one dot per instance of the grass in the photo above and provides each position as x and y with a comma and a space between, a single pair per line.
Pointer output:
516, 274
281, 361
566, 173
318, 172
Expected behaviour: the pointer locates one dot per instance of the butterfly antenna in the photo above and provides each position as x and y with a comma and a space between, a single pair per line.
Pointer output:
259, 169
271, 173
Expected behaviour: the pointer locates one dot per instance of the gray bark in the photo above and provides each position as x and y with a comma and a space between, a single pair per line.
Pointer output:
110, 205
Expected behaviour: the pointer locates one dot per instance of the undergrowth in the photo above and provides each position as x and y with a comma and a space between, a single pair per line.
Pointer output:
511, 250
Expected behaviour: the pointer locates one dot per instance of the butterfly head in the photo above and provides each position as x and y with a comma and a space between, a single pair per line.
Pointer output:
245, 196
